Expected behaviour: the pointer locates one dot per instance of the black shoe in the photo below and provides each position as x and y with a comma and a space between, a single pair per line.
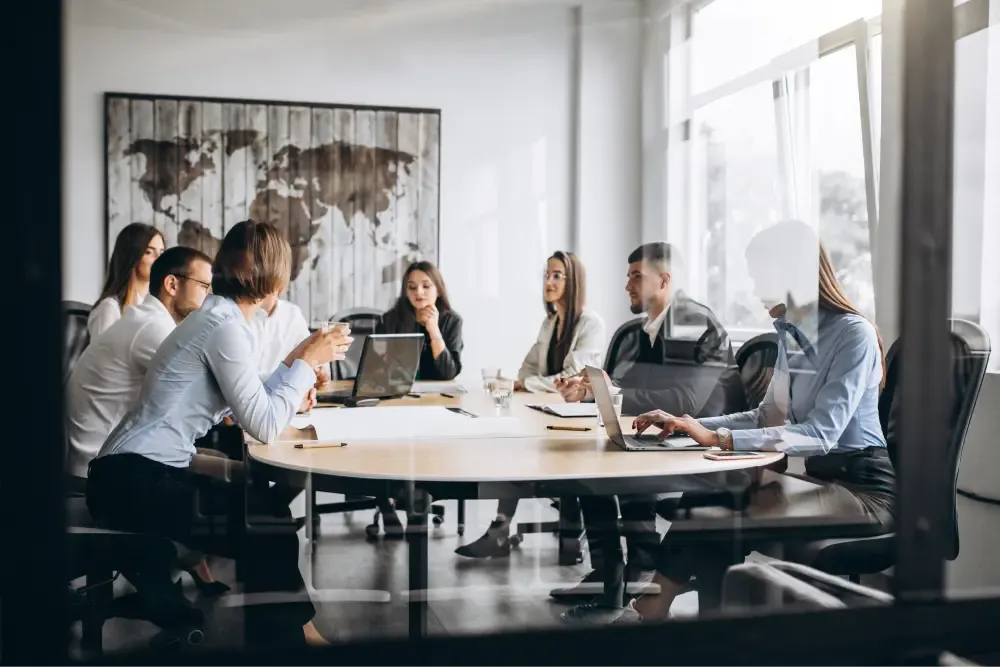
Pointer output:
210, 589
590, 586
495, 542
592, 613
392, 526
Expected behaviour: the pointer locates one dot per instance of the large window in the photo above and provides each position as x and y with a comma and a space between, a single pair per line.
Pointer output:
772, 110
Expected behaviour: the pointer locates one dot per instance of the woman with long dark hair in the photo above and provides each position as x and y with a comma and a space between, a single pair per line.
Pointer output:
127, 282
570, 339
821, 404
423, 307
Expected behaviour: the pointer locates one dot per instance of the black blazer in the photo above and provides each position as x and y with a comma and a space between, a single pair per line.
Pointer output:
449, 364
695, 372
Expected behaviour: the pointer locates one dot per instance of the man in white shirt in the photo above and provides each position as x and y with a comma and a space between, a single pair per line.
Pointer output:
108, 376
278, 328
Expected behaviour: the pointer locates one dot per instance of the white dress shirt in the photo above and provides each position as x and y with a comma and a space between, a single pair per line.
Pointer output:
106, 312
277, 335
586, 348
108, 376
652, 327
202, 371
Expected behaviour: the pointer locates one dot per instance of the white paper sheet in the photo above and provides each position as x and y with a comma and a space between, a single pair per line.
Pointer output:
437, 388
403, 423
570, 409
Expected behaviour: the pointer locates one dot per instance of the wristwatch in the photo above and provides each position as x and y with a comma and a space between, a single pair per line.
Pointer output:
725, 438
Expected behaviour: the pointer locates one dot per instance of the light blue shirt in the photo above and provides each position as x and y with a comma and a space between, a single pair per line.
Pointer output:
204, 369
823, 396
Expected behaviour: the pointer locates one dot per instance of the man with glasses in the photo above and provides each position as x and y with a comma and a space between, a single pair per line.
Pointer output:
109, 374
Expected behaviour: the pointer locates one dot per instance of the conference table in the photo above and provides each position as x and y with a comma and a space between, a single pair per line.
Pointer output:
537, 462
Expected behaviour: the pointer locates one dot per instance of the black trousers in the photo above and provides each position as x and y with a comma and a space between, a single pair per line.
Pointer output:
858, 483
132, 493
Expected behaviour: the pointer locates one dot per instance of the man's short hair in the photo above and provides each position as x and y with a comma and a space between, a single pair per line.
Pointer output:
174, 261
658, 253
254, 261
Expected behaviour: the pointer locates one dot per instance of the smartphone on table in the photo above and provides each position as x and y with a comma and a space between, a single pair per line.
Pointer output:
728, 455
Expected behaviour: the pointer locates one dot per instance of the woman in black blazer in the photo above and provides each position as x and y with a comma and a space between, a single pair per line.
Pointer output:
423, 308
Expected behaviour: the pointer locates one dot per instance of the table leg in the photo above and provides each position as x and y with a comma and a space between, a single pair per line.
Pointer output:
417, 505
570, 531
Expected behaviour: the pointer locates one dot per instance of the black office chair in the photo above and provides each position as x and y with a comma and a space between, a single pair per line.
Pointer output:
363, 322
76, 338
756, 359
970, 352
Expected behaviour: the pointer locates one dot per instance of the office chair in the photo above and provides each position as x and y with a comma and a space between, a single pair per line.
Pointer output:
76, 338
756, 359
363, 323
970, 352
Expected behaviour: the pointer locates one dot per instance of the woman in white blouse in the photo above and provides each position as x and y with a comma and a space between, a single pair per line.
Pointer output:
127, 282
571, 338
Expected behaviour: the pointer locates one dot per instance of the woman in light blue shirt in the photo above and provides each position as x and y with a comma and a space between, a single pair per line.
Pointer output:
822, 402
203, 371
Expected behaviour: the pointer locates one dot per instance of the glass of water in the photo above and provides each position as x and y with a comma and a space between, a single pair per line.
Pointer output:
490, 373
502, 389
616, 400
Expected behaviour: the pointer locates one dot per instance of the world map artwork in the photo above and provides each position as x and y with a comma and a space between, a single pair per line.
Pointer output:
355, 189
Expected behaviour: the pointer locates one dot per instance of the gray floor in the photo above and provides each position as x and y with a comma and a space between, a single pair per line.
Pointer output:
359, 585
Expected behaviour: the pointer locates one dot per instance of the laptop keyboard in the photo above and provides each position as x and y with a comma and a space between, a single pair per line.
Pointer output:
644, 440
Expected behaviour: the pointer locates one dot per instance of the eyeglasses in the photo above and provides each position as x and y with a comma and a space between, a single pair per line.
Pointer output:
207, 286
557, 276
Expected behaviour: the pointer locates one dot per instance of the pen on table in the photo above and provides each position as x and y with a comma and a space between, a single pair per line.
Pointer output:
319, 445
568, 428
413, 395
448, 395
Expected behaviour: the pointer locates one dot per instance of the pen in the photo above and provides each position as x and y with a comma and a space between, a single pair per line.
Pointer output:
413, 395
449, 395
568, 428
319, 445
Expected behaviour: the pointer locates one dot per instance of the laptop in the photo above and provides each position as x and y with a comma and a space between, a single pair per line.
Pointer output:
647, 442
387, 369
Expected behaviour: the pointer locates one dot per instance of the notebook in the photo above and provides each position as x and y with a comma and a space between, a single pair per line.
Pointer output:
568, 410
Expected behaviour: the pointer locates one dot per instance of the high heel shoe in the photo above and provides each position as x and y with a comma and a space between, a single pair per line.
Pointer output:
207, 588
495, 543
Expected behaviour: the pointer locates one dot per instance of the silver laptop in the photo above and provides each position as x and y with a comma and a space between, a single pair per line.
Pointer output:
647, 442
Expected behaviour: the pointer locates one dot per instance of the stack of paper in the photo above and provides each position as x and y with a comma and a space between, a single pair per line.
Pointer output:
403, 423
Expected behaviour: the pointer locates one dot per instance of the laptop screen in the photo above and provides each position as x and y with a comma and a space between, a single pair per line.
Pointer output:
602, 396
388, 365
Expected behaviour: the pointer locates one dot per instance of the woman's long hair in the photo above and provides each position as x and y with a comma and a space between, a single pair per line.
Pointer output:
403, 307
832, 297
130, 246
574, 300
791, 237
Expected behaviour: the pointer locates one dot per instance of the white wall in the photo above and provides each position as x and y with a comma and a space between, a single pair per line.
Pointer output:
502, 74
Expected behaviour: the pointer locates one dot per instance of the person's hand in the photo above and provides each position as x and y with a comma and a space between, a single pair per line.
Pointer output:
322, 347
518, 385
668, 424
573, 389
428, 318
308, 401
322, 375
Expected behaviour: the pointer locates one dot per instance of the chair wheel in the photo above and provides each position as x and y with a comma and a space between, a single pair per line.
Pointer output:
461, 529
371, 530
173, 639
437, 520
516, 539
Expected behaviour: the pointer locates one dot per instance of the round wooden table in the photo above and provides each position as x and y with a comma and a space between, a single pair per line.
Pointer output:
543, 463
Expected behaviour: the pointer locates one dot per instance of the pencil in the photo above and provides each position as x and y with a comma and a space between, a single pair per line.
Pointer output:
319, 445
569, 428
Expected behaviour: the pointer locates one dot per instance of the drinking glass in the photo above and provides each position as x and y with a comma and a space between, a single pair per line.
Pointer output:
616, 400
489, 374
502, 389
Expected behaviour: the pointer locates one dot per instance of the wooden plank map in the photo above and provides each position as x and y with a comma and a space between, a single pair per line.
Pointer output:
354, 188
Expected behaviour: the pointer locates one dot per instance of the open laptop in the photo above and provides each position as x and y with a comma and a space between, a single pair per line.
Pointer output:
387, 369
647, 442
